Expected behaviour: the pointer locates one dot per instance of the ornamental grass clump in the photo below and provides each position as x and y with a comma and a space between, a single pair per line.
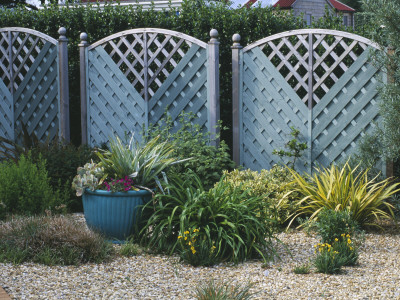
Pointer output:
231, 220
344, 189
212, 290
51, 240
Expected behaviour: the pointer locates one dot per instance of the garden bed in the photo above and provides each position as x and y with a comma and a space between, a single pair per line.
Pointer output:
161, 277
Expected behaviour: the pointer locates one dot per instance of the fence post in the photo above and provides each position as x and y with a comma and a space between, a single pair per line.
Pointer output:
213, 86
82, 63
236, 48
64, 88
389, 168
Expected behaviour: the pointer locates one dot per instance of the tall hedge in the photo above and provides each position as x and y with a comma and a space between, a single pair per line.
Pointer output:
195, 18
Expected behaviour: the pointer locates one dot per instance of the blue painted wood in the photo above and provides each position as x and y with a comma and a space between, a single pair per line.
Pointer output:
269, 108
37, 97
185, 89
6, 113
115, 107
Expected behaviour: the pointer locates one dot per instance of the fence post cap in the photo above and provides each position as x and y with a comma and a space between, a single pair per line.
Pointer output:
83, 36
62, 32
236, 38
214, 33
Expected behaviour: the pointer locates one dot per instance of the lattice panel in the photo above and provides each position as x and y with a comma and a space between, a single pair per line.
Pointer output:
331, 57
25, 49
347, 111
6, 113
147, 59
184, 90
5, 74
269, 108
115, 107
36, 95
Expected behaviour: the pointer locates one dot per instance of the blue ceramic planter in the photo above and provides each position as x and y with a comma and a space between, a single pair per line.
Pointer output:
113, 214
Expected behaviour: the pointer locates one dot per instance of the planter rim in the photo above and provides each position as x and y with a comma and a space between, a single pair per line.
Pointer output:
118, 194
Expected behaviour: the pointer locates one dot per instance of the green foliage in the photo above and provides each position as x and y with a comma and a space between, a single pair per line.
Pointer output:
50, 240
129, 248
302, 269
89, 177
384, 20
189, 141
271, 186
212, 290
232, 221
341, 189
25, 188
327, 260
295, 149
144, 163
195, 248
331, 224
346, 249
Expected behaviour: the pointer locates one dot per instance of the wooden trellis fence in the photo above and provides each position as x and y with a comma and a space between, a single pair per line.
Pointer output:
129, 80
33, 84
317, 81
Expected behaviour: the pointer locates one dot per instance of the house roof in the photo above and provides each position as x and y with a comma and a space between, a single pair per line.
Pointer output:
286, 4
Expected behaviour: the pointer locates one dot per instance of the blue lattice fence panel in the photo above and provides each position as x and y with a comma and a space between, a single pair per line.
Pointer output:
36, 99
114, 106
269, 109
348, 110
6, 113
185, 90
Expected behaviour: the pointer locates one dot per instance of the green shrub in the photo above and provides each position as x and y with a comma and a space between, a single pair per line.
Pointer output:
346, 249
302, 269
341, 188
331, 224
271, 186
190, 141
62, 161
232, 221
212, 290
327, 260
50, 240
129, 249
25, 188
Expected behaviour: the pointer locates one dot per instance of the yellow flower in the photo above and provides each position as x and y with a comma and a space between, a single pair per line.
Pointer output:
195, 230
179, 237
348, 241
190, 243
186, 232
351, 248
336, 239
185, 238
343, 234
348, 235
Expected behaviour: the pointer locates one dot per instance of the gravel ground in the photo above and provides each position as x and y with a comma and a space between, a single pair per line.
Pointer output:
160, 277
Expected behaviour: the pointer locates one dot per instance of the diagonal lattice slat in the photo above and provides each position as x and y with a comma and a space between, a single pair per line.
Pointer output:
115, 107
338, 124
5, 74
147, 58
36, 99
269, 108
344, 103
6, 113
331, 57
184, 90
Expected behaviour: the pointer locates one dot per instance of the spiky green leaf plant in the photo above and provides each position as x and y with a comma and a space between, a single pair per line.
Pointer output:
144, 163
343, 188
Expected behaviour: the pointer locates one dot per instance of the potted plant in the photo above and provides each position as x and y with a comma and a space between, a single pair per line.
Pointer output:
124, 179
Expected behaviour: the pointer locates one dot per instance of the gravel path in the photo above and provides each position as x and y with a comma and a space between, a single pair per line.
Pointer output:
161, 277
